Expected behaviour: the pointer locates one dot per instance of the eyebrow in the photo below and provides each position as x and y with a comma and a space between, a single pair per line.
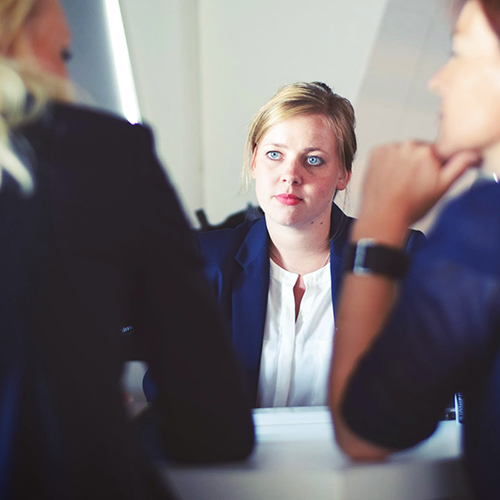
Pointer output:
307, 150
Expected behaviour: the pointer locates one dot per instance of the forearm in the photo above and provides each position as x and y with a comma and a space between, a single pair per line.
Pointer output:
403, 182
365, 304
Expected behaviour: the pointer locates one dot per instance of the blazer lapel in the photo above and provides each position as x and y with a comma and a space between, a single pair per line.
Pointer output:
340, 228
250, 290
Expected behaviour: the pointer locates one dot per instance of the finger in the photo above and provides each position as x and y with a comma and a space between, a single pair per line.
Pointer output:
456, 166
414, 143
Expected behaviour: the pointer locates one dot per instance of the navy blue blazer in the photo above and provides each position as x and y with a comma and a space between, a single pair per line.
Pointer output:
100, 244
237, 268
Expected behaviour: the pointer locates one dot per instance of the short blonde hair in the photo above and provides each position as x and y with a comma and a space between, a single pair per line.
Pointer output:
303, 98
18, 80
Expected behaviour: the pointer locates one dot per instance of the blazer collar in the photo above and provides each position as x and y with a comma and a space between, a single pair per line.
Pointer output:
254, 244
339, 232
257, 238
340, 228
249, 301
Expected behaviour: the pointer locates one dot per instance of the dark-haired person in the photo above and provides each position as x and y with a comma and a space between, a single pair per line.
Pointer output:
435, 329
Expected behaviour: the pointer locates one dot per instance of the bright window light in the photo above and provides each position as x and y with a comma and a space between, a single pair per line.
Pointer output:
121, 58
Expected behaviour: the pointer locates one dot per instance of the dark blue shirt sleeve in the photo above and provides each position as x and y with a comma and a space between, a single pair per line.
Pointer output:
435, 341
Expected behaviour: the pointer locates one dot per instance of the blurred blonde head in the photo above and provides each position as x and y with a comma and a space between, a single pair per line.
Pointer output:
303, 98
24, 71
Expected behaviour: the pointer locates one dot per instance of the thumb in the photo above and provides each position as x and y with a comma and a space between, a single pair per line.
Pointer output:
454, 167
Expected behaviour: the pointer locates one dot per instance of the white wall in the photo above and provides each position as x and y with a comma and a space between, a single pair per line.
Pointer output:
163, 44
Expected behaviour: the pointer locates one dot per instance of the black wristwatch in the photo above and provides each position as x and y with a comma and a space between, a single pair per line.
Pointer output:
366, 256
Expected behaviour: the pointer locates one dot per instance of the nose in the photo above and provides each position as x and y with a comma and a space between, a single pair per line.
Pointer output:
291, 173
435, 83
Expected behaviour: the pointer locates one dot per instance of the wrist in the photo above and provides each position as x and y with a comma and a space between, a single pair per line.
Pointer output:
390, 231
366, 256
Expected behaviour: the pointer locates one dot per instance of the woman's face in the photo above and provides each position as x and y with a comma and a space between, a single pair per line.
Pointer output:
469, 87
297, 171
46, 38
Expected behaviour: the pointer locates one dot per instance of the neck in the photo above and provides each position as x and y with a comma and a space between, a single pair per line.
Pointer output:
297, 250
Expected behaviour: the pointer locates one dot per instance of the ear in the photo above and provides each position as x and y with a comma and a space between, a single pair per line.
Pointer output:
343, 181
252, 164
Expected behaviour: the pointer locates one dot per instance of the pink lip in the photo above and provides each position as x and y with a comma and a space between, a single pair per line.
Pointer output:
288, 199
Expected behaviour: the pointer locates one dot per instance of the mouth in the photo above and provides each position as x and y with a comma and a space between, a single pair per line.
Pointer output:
288, 199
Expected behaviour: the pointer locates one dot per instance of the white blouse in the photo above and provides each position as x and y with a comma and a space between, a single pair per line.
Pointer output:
296, 355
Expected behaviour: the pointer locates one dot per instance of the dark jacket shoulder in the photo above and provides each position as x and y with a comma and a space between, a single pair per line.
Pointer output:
66, 130
77, 117
221, 244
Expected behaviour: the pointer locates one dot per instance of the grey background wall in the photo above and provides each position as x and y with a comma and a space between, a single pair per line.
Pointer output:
92, 64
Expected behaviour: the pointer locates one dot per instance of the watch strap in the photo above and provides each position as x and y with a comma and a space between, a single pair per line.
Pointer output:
366, 256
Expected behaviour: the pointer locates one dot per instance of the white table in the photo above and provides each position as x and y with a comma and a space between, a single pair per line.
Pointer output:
296, 458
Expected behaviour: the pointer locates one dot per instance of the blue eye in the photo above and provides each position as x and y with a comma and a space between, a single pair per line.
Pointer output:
315, 161
273, 155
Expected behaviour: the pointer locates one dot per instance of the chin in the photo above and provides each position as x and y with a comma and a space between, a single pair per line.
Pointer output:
287, 222
445, 148
284, 220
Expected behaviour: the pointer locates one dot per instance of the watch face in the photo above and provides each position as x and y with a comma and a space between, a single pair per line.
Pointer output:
368, 257
360, 253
